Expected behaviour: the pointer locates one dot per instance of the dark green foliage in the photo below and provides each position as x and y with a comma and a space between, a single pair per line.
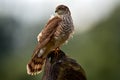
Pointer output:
8, 27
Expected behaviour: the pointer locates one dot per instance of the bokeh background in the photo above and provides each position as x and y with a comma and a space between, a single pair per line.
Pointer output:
95, 45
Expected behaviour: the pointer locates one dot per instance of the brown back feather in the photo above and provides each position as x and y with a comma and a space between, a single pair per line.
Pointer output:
35, 65
47, 33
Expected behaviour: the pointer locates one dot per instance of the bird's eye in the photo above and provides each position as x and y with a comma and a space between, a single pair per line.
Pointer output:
60, 8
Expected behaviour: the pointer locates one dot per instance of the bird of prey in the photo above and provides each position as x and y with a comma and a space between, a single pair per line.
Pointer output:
55, 33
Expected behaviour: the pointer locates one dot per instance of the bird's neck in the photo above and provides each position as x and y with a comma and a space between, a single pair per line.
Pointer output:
67, 18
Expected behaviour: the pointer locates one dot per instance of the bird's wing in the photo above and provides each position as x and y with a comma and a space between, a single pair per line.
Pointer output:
49, 29
47, 32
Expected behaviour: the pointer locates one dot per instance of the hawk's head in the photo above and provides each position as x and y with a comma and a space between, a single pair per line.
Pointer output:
62, 10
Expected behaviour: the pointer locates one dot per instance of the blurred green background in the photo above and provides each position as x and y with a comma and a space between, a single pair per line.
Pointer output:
96, 49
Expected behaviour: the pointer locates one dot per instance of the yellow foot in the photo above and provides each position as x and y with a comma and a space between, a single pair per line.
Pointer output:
56, 52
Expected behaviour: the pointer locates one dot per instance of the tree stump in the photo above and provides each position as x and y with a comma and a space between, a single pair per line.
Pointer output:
60, 67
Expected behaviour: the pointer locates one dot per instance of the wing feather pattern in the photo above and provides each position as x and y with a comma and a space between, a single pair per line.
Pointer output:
47, 33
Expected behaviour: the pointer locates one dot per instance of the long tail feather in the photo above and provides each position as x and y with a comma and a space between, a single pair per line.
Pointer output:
35, 65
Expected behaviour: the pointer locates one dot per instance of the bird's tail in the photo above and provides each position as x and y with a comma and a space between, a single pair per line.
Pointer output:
35, 65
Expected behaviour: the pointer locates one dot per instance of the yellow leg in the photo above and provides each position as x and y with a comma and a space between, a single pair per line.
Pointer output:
56, 51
